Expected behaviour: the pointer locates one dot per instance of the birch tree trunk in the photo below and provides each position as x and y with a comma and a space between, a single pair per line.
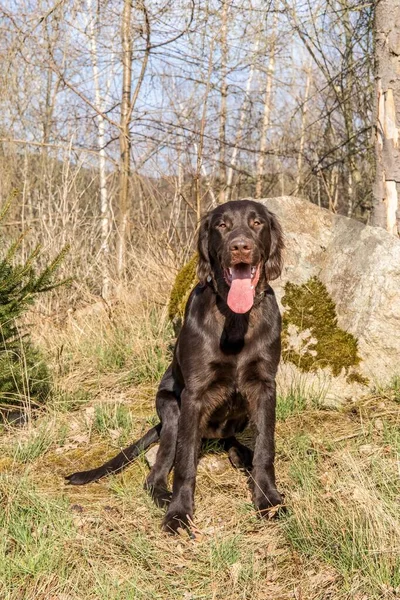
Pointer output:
387, 116
304, 109
101, 142
124, 135
267, 110
242, 118
224, 95
200, 166
348, 113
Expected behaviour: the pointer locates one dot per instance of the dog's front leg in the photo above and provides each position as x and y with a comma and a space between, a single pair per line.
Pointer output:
262, 403
180, 510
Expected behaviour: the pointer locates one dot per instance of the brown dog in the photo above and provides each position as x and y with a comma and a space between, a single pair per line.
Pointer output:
223, 372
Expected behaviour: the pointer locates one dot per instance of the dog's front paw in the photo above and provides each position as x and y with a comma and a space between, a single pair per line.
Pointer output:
176, 520
269, 504
160, 495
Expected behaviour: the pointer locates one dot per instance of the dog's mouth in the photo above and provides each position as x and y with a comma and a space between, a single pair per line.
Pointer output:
242, 279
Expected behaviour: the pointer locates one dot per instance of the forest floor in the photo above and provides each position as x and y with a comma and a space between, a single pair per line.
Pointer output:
338, 469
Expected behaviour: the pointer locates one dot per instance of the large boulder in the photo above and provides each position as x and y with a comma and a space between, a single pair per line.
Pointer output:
360, 268
339, 294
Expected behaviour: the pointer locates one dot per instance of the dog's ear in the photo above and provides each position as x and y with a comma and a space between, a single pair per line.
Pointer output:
204, 266
273, 266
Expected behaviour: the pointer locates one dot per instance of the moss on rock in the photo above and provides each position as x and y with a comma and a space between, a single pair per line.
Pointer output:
311, 337
185, 281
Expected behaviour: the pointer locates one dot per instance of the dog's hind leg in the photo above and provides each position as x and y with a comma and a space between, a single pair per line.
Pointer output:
168, 411
241, 456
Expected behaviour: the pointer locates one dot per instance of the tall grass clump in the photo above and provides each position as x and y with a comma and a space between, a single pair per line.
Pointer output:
35, 535
128, 344
352, 526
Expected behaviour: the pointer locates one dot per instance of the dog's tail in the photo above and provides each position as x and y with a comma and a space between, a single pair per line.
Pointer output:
120, 461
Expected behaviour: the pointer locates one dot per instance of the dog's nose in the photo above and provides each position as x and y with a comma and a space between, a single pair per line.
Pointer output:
242, 245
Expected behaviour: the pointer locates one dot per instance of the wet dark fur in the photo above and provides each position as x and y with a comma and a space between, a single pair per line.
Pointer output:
223, 371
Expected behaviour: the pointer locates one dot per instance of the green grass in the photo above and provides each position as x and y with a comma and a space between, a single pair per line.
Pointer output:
36, 535
113, 418
301, 394
341, 487
354, 528
391, 391
66, 401
35, 444
291, 404
338, 470
225, 553
345, 509
139, 349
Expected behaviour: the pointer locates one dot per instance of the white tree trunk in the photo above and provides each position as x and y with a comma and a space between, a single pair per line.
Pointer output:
304, 110
101, 141
224, 96
267, 110
387, 116
242, 118
125, 141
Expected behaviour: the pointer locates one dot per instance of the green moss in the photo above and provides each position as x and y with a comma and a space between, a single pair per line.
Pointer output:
311, 336
310, 317
184, 283
356, 377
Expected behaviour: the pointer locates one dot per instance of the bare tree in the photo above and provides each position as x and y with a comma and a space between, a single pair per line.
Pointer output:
105, 209
337, 34
224, 98
387, 116
120, 117
304, 110
242, 118
267, 104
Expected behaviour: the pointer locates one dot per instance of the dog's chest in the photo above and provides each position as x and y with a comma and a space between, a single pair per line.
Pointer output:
234, 332
227, 419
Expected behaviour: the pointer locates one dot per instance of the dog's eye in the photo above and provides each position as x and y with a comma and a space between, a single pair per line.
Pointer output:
256, 223
222, 226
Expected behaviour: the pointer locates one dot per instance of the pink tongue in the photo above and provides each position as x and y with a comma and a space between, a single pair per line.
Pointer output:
241, 293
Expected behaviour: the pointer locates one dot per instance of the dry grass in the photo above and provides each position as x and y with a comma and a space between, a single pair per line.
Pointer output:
338, 470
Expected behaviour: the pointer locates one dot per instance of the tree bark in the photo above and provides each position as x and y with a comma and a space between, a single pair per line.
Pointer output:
267, 110
387, 116
224, 96
347, 108
200, 166
101, 141
124, 136
242, 118
304, 109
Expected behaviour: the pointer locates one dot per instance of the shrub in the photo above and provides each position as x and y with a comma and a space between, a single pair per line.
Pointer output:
24, 376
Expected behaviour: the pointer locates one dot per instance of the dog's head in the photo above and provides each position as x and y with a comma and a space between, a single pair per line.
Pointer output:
240, 247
